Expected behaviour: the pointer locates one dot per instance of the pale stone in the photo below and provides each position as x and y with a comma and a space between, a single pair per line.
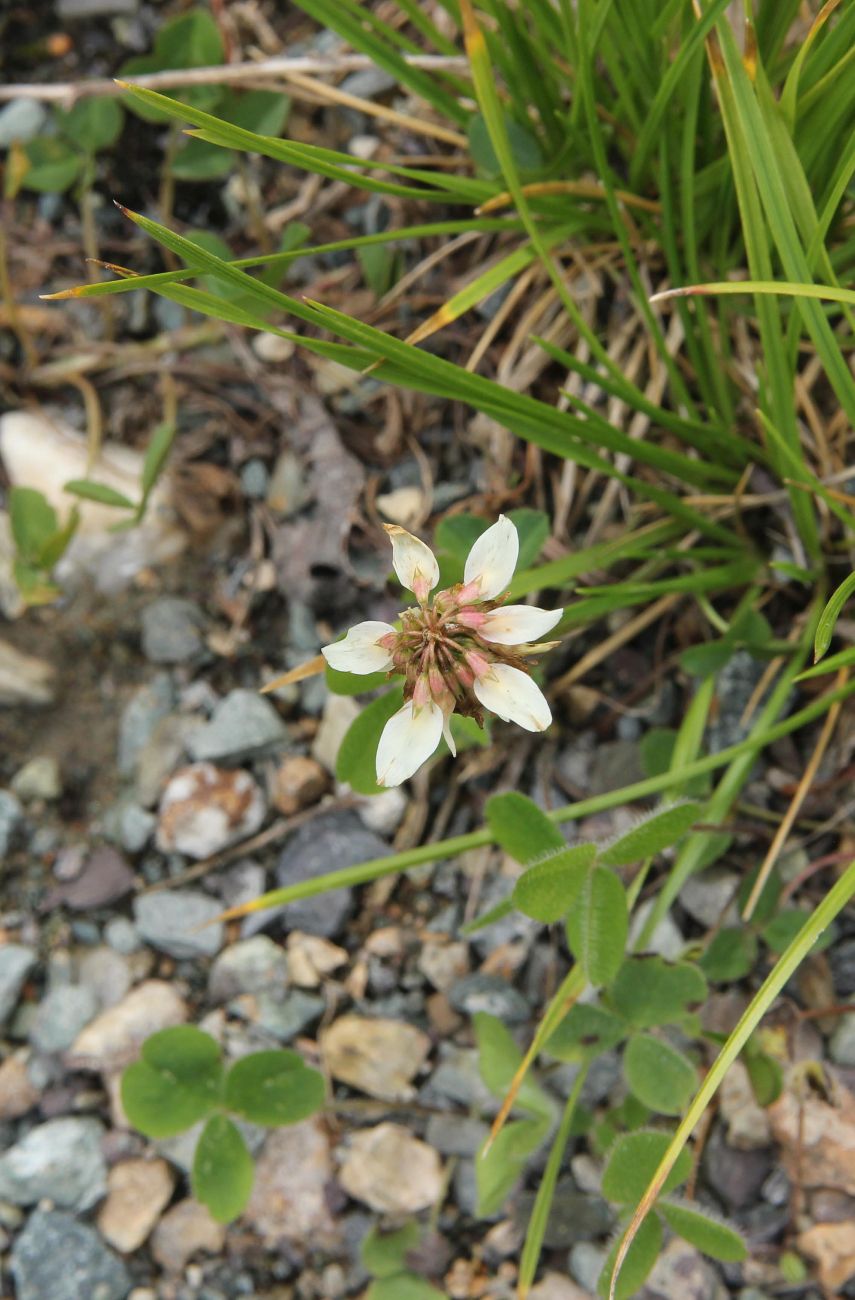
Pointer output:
137, 1191
184, 1231
311, 959
391, 1171
205, 809
379, 1057
289, 1202
748, 1126
114, 1038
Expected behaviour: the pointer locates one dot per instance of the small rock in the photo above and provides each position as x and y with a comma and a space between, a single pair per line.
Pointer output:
254, 477
573, 1216
709, 897
162, 753
615, 764
816, 1134
841, 1047
748, 1127
185, 1230
444, 964
327, 843
311, 959
11, 816
492, 994
298, 782
340, 711
114, 1038
832, 1245
205, 809
403, 505
137, 1191
171, 630
243, 725
69, 10
554, 1286
60, 1017
25, 681
383, 813
256, 965
106, 974
368, 82
61, 1159
20, 121
16, 963
514, 927
379, 1057
682, 1273
281, 1018
18, 1093
180, 922
289, 1203
38, 779
105, 878
457, 1078
288, 491
586, 1264
145, 709
736, 1176
136, 827
735, 685
391, 1171
455, 1135
666, 941
57, 1257
122, 935
242, 883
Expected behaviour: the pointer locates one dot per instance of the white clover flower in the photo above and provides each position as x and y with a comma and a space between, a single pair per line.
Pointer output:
461, 650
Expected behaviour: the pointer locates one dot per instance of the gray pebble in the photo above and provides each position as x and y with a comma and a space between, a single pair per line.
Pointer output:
243, 725
10, 819
255, 479
57, 1257
146, 707
20, 121
62, 1160
171, 630
136, 827
841, 1047
61, 1015
327, 843
285, 1018
489, 993
585, 1264
170, 921
16, 963
455, 1135
574, 1216
256, 965
122, 935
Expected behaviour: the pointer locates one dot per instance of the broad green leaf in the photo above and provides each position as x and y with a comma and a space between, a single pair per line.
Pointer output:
490, 917
223, 1171
89, 491
585, 1032
263, 111
524, 147
56, 545
92, 124
767, 904
155, 455
546, 891
353, 683
533, 529
457, 534
656, 832
498, 1060
701, 660
520, 827
385, 1253
641, 1257
177, 1081
197, 160
467, 734
498, 1169
356, 763
191, 40
274, 1088
730, 956
403, 1286
598, 925
380, 267
659, 1076
780, 932
829, 616
704, 1232
32, 519
649, 991
632, 1162
766, 1075
53, 165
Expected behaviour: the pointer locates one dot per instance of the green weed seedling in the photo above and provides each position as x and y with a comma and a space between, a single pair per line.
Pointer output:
180, 1080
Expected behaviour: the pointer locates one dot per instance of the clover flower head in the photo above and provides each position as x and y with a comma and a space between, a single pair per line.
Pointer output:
461, 650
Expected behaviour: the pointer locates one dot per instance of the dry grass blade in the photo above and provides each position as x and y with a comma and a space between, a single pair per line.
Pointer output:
580, 189
310, 668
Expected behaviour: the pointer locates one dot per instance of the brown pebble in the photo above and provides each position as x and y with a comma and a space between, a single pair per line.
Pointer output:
297, 783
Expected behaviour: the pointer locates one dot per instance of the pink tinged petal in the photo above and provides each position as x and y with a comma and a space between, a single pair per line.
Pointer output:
446, 731
512, 695
413, 562
361, 651
408, 740
493, 558
518, 624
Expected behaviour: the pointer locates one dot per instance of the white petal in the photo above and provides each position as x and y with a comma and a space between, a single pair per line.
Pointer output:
518, 624
359, 651
493, 558
511, 694
413, 561
408, 740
